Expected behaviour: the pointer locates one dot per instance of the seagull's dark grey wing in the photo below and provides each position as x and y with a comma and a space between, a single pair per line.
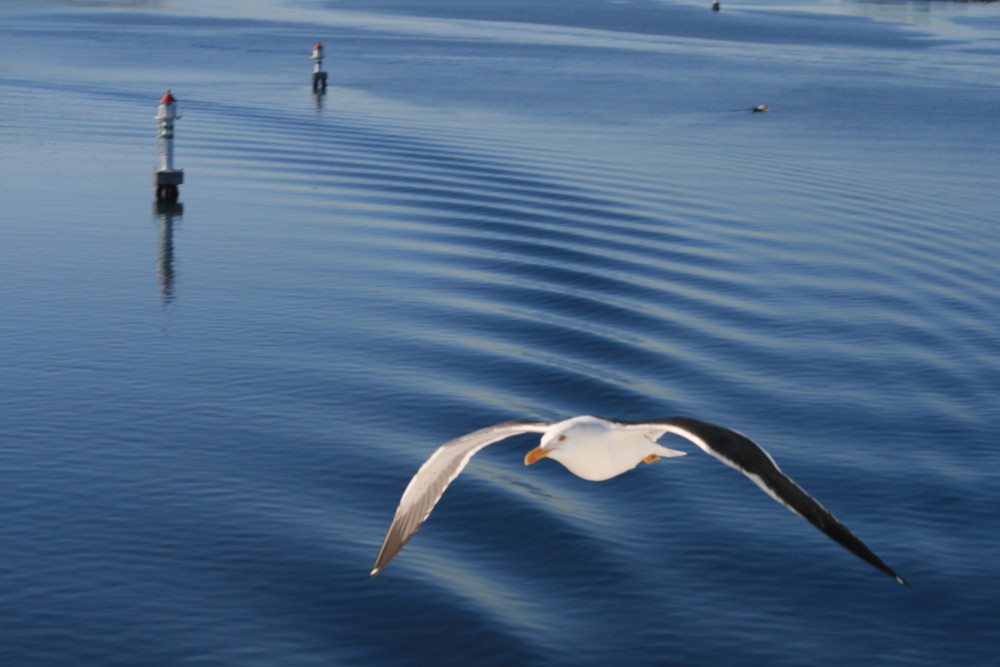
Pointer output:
740, 452
434, 476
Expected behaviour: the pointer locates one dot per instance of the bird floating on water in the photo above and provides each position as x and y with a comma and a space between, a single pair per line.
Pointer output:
596, 449
760, 108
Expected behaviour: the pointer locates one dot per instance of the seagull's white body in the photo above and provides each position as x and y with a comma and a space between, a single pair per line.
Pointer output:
596, 449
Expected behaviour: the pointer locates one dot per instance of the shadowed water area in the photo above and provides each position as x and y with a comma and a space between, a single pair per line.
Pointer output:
496, 211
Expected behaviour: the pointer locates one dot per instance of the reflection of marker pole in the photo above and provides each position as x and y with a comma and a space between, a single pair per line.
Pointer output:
166, 179
167, 211
319, 76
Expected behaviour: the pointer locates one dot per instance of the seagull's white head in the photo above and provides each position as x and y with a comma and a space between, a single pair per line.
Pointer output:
566, 435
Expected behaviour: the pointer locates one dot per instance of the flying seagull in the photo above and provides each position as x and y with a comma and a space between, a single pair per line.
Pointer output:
596, 449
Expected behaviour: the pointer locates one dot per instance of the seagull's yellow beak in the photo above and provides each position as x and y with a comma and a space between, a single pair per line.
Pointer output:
535, 455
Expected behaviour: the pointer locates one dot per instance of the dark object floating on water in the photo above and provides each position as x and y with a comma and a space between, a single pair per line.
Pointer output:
760, 108
596, 449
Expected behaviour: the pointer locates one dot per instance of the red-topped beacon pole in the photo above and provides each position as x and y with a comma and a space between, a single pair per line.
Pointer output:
319, 76
166, 178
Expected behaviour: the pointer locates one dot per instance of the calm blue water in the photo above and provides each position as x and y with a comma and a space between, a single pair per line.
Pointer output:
497, 211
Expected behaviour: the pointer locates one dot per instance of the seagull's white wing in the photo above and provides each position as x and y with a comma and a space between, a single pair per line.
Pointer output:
434, 476
740, 452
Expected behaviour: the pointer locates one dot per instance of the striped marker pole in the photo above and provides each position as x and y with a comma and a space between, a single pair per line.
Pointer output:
166, 178
319, 76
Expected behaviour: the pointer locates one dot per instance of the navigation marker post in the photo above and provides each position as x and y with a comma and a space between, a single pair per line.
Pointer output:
166, 178
319, 76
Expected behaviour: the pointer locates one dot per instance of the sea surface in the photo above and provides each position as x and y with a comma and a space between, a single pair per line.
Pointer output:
497, 210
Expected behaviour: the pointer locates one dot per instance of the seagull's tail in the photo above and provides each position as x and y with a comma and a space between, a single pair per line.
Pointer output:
667, 453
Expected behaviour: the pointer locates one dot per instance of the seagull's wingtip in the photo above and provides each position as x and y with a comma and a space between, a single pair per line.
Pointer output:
903, 581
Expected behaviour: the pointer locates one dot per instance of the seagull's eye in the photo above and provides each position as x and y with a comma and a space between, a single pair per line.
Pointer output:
561, 437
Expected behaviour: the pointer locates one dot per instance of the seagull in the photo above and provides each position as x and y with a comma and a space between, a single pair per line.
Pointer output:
597, 449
